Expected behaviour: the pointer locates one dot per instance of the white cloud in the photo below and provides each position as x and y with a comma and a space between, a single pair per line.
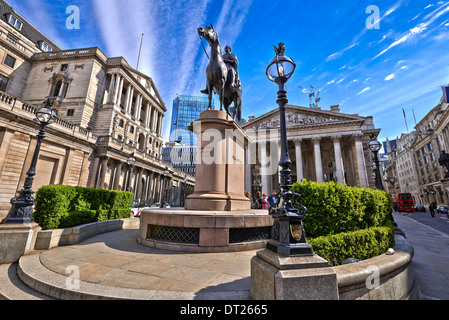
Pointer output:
431, 17
390, 77
364, 90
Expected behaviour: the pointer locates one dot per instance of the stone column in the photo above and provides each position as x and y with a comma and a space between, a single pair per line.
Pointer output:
248, 180
318, 160
118, 174
102, 175
139, 184
94, 175
339, 159
159, 129
149, 195
127, 99
130, 102
299, 166
266, 185
361, 165
118, 80
118, 98
111, 88
147, 115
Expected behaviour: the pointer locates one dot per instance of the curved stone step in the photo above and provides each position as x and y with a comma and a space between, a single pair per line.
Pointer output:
36, 276
12, 288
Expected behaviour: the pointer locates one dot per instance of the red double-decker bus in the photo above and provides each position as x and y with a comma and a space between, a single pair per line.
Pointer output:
405, 202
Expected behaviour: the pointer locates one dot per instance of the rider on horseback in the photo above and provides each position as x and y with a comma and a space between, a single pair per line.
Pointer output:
233, 64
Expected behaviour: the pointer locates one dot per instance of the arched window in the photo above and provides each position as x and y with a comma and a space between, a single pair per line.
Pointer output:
131, 129
121, 123
57, 88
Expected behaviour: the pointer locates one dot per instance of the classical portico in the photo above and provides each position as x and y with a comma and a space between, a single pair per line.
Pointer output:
324, 145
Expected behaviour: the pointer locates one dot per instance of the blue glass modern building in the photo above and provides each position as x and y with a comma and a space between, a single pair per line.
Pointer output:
187, 109
181, 149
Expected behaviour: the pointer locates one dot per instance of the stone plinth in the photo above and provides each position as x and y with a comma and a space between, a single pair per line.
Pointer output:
277, 277
205, 231
220, 168
17, 240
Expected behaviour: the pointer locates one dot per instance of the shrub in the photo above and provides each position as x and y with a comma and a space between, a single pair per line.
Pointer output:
335, 208
361, 244
345, 221
65, 207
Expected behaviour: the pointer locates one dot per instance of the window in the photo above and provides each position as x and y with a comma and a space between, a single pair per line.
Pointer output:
64, 67
70, 112
121, 123
46, 47
3, 83
131, 129
10, 61
57, 88
15, 22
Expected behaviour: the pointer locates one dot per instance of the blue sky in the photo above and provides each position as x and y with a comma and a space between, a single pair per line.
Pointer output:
376, 72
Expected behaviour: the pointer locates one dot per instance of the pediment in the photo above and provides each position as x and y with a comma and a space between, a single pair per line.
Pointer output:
300, 116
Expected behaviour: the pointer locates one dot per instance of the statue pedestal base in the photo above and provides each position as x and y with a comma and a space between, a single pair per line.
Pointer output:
205, 231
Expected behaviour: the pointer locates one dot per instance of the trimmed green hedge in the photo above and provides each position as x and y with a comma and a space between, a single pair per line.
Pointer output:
335, 208
65, 207
362, 244
345, 221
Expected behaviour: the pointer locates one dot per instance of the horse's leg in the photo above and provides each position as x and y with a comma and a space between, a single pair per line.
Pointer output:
209, 87
221, 98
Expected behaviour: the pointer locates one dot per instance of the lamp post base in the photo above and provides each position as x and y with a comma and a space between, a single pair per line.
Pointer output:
21, 208
290, 249
278, 277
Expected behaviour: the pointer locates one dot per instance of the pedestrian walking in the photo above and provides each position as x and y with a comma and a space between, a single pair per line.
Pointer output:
258, 201
264, 202
271, 199
432, 211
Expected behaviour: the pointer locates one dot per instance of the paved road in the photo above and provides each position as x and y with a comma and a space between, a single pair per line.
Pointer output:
439, 222
430, 239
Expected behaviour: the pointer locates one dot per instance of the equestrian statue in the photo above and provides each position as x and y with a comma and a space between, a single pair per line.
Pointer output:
222, 74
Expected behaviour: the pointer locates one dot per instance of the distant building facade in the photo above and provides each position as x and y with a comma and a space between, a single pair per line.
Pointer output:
187, 109
106, 111
414, 167
180, 152
324, 145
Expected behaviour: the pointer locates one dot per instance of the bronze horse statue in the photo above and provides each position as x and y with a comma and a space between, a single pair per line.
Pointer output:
218, 76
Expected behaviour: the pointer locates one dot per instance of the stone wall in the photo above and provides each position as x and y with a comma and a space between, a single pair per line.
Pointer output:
386, 277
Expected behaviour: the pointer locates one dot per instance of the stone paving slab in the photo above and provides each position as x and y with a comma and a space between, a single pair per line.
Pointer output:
116, 260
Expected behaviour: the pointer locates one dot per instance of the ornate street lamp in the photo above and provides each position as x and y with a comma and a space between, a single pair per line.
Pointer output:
375, 147
131, 162
288, 236
23, 203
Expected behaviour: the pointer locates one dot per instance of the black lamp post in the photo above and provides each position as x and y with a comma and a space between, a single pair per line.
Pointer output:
375, 147
22, 204
288, 236
131, 162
